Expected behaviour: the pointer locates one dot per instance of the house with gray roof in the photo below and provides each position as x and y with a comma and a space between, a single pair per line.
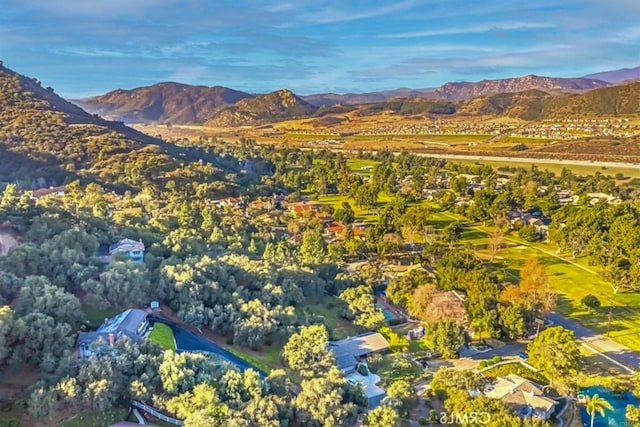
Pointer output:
131, 323
351, 350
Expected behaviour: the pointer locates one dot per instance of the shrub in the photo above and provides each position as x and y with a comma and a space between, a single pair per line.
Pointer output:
423, 421
496, 359
363, 370
519, 147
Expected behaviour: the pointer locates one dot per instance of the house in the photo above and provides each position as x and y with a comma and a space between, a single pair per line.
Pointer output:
51, 191
525, 397
130, 248
131, 323
300, 209
334, 228
350, 351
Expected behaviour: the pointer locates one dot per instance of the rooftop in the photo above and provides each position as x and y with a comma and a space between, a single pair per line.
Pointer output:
359, 345
519, 391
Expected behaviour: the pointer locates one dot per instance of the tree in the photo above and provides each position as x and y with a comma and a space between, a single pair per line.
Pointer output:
534, 287
404, 392
555, 353
446, 380
591, 302
313, 249
200, 403
447, 337
306, 352
123, 283
319, 402
9, 196
361, 306
6, 324
496, 243
514, 319
382, 416
529, 233
596, 404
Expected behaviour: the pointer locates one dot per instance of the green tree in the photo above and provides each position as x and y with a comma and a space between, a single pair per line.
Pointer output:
319, 402
306, 351
9, 196
313, 249
591, 302
404, 392
446, 337
555, 353
200, 403
382, 416
596, 404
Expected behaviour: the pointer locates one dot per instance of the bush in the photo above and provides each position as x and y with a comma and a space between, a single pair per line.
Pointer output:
496, 359
363, 370
229, 341
519, 147
529, 233
396, 321
423, 421
483, 364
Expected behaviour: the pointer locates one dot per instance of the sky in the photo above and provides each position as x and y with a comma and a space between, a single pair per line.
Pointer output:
89, 47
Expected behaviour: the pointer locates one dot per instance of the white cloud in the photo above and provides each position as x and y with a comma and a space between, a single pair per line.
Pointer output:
485, 28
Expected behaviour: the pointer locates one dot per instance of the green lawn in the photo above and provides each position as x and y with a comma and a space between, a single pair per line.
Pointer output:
163, 335
389, 371
572, 280
340, 328
95, 315
356, 165
267, 359
97, 419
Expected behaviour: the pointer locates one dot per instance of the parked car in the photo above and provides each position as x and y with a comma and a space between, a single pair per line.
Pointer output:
522, 355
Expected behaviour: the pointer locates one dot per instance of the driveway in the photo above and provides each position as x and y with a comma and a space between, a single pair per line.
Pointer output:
187, 340
604, 345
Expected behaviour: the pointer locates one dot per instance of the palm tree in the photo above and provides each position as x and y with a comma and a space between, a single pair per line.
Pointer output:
597, 404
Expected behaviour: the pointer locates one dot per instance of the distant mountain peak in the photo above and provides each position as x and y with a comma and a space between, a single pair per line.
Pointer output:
171, 102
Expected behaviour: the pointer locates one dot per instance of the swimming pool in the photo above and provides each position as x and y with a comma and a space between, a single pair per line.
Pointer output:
619, 401
388, 315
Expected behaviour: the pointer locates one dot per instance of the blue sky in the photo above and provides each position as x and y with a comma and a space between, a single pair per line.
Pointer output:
87, 47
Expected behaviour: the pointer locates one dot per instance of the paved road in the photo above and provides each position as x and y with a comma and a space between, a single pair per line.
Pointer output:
187, 340
471, 361
606, 346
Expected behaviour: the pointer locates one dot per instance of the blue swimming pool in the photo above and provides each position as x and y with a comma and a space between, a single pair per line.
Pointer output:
387, 314
619, 401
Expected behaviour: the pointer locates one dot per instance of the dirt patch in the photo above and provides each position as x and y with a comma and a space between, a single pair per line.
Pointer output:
7, 241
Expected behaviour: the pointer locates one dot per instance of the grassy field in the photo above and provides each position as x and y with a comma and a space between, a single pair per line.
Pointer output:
97, 419
163, 335
95, 315
341, 328
267, 359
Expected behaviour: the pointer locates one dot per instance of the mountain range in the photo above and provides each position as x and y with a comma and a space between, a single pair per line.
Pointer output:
45, 139
178, 103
